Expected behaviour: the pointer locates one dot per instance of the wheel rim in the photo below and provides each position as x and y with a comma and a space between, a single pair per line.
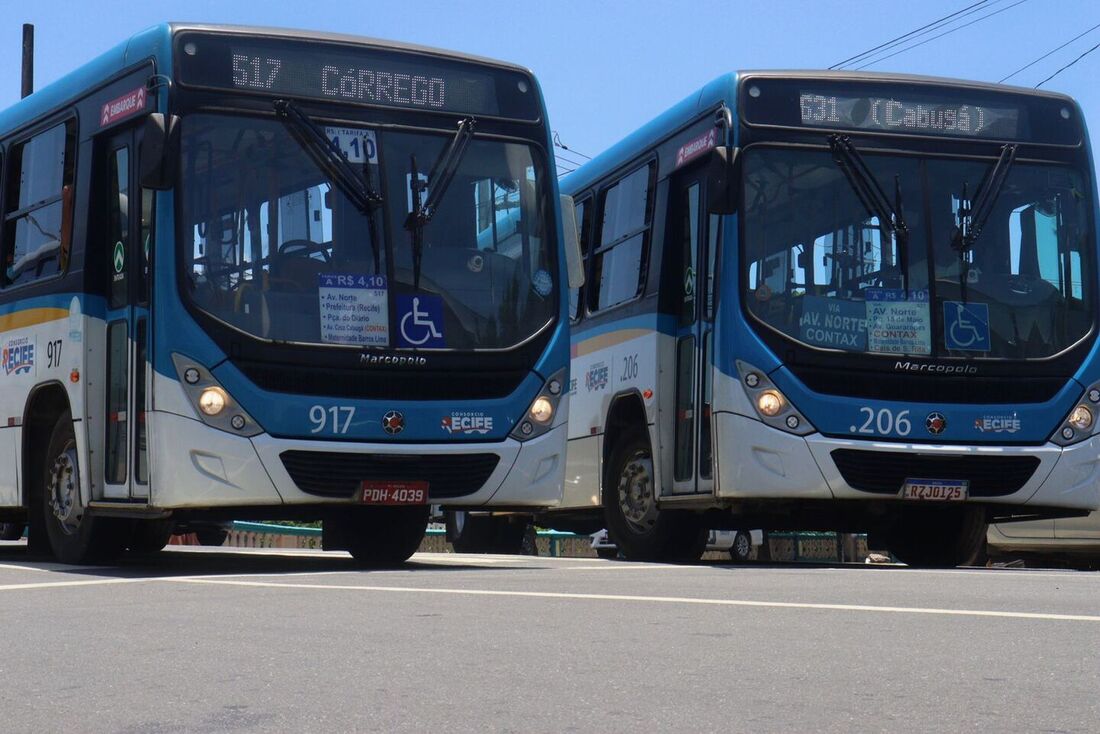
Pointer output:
742, 545
637, 500
63, 490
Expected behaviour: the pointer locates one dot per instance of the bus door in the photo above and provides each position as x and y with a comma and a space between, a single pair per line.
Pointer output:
123, 244
692, 243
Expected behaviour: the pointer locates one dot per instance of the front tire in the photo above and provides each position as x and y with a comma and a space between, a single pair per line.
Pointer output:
75, 536
211, 536
382, 537
469, 533
938, 537
150, 536
635, 524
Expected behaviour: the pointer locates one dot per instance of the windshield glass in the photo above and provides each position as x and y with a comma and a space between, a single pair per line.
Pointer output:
274, 247
820, 268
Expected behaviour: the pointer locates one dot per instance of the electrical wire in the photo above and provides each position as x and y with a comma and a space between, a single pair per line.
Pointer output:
563, 146
1048, 53
894, 41
1067, 66
941, 35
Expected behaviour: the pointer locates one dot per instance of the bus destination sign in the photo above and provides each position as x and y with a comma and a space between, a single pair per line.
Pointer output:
364, 75
899, 115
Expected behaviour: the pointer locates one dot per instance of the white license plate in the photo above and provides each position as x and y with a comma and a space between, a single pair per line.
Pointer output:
394, 493
935, 490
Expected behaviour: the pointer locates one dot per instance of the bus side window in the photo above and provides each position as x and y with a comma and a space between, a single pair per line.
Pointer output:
619, 257
40, 171
583, 212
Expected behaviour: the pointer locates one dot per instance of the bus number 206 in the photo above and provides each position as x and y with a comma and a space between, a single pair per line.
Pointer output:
883, 422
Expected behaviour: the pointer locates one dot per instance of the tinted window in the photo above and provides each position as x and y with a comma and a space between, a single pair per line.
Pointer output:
38, 206
583, 213
617, 268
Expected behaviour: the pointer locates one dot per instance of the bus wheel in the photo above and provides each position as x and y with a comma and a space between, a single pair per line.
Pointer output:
150, 536
938, 537
379, 537
469, 533
75, 535
211, 535
11, 530
634, 523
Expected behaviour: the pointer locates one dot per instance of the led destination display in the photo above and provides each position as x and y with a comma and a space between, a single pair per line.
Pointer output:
363, 75
898, 115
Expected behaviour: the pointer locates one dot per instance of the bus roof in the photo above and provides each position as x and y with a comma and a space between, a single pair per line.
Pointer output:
724, 89
156, 42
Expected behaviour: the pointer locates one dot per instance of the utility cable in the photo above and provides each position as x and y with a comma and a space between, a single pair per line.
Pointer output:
941, 35
899, 39
1067, 66
1048, 53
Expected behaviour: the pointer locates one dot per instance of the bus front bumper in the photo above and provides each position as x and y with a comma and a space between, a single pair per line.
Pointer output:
757, 461
198, 466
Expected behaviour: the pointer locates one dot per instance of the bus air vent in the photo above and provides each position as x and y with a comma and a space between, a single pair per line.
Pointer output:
336, 474
883, 472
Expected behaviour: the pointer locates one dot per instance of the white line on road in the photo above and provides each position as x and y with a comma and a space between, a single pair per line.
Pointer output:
658, 599
83, 582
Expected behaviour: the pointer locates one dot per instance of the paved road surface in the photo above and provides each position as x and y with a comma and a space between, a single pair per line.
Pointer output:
202, 641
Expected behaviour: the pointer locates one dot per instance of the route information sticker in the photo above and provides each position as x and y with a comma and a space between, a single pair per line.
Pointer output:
897, 326
354, 309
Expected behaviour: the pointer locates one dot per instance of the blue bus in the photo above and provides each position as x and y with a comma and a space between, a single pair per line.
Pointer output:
256, 273
834, 301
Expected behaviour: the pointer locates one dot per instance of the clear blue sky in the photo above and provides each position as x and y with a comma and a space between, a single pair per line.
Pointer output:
608, 66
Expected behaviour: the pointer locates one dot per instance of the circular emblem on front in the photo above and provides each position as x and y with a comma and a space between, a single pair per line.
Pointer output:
393, 423
935, 423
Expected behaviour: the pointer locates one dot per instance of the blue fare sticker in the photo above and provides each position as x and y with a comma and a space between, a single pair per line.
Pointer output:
966, 326
420, 321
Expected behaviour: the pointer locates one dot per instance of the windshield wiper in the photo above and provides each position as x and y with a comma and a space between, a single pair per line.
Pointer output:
973, 216
328, 158
870, 194
443, 171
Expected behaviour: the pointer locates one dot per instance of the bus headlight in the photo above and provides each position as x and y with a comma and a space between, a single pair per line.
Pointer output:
769, 403
771, 406
539, 417
1081, 421
541, 410
1081, 418
212, 401
213, 404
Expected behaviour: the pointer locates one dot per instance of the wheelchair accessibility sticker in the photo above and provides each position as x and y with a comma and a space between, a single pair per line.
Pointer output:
420, 321
966, 326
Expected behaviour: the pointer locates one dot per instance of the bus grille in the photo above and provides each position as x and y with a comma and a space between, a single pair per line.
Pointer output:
930, 388
389, 384
884, 472
332, 474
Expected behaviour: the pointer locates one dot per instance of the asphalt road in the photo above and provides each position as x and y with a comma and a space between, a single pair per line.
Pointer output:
202, 641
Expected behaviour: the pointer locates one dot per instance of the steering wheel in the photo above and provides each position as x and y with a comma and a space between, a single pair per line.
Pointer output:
303, 248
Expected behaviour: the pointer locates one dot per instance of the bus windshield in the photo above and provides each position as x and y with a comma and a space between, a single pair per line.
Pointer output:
826, 269
276, 248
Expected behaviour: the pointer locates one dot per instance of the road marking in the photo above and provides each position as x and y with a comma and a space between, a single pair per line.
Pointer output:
85, 582
660, 600
635, 567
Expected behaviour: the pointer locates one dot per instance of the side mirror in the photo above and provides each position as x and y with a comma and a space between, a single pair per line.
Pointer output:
722, 189
159, 151
573, 258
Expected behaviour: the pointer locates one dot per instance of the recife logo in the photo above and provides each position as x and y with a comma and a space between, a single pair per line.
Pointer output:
467, 422
596, 377
17, 356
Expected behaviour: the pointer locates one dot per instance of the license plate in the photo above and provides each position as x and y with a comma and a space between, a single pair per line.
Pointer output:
393, 493
935, 490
